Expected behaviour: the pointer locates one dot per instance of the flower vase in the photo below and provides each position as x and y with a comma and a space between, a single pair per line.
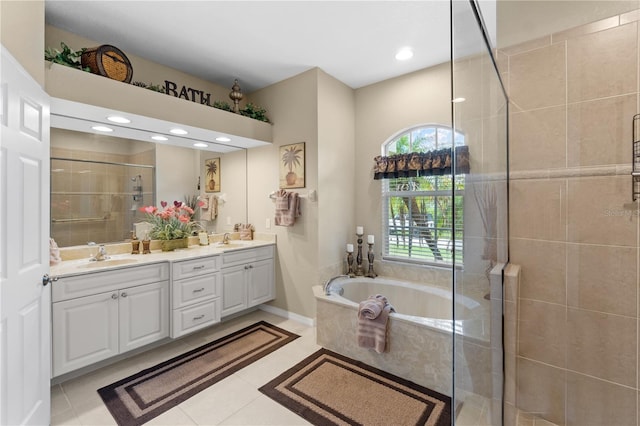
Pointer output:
171, 245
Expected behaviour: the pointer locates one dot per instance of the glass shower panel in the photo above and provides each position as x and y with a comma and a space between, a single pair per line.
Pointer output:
480, 114
97, 201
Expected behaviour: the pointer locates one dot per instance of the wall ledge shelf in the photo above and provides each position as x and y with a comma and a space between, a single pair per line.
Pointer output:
79, 91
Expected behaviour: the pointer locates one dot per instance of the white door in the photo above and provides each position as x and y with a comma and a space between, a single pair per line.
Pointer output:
144, 315
261, 282
85, 331
25, 353
234, 289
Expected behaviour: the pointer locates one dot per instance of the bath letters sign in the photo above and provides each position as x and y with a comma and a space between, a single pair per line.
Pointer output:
188, 93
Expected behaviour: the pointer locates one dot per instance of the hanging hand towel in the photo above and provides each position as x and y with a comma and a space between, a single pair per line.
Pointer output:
288, 216
371, 331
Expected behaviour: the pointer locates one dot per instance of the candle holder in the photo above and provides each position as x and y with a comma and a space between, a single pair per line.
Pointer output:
145, 246
359, 268
350, 264
370, 256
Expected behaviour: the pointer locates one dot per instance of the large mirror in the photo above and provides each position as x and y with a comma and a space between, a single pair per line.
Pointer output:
99, 182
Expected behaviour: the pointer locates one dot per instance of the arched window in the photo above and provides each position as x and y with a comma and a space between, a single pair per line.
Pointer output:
418, 212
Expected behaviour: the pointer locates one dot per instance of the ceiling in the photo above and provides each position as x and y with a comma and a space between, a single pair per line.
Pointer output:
263, 42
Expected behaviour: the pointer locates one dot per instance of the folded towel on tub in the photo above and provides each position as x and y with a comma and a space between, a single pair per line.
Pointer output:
371, 330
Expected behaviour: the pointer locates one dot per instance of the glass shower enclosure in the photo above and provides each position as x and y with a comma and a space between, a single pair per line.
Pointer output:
480, 112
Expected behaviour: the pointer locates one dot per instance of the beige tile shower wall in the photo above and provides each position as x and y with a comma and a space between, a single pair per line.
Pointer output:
573, 97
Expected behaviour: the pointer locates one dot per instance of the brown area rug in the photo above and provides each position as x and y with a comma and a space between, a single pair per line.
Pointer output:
330, 389
149, 393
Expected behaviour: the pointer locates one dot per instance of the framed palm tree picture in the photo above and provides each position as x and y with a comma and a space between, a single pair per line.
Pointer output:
212, 175
292, 166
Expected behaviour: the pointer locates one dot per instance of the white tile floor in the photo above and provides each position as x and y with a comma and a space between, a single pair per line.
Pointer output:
232, 401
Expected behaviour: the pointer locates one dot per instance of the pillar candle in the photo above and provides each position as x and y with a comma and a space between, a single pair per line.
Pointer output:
370, 239
350, 248
359, 230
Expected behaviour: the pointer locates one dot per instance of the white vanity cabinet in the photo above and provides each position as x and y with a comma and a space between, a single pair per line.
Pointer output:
196, 294
98, 315
248, 279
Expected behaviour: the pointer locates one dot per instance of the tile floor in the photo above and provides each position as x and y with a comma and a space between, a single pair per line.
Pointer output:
232, 401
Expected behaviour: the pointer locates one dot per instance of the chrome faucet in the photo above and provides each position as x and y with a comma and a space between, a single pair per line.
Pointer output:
225, 238
101, 254
327, 285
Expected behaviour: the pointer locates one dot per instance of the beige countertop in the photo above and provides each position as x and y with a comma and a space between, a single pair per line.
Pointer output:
84, 265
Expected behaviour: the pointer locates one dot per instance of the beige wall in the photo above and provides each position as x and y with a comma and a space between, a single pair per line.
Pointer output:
143, 70
573, 232
232, 204
336, 173
177, 172
383, 110
22, 33
293, 108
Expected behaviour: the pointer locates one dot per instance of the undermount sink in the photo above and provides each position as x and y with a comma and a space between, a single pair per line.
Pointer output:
234, 244
108, 262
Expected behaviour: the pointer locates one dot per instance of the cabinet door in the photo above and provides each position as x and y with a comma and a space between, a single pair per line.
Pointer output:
85, 330
261, 283
144, 315
234, 289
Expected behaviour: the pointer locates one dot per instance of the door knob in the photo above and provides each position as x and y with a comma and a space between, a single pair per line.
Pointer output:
46, 279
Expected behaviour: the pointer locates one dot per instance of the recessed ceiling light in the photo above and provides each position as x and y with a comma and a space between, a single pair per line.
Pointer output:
118, 119
200, 145
178, 131
159, 138
458, 100
102, 128
404, 54
223, 139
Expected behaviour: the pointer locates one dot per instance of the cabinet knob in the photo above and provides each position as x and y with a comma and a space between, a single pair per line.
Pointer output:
114, 296
123, 294
246, 266
250, 266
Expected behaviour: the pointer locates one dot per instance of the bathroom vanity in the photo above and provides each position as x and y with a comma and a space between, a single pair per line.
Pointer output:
104, 309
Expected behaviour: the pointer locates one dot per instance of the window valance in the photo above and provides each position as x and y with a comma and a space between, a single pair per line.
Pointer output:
430, 163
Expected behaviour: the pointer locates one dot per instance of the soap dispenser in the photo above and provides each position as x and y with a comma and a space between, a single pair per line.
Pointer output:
135, 243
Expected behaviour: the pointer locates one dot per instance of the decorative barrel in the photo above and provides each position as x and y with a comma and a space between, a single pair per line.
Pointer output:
108, 61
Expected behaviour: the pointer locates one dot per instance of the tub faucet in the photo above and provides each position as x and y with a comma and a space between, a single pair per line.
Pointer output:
327, 285
101, 254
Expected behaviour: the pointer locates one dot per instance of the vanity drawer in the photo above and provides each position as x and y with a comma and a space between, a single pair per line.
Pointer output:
188, 320
194, 267
75, 286
239, 257
196, 289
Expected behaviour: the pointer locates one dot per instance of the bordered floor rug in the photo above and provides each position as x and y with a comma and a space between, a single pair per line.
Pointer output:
327, 388
139, 398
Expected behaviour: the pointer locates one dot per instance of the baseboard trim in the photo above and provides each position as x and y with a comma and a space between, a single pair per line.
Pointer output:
310, 322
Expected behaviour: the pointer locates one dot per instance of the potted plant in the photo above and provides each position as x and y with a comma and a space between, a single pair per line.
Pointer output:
212, 170
67, 56
291, 159
172, 225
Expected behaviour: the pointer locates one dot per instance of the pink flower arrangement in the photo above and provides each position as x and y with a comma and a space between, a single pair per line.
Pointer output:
173, 222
